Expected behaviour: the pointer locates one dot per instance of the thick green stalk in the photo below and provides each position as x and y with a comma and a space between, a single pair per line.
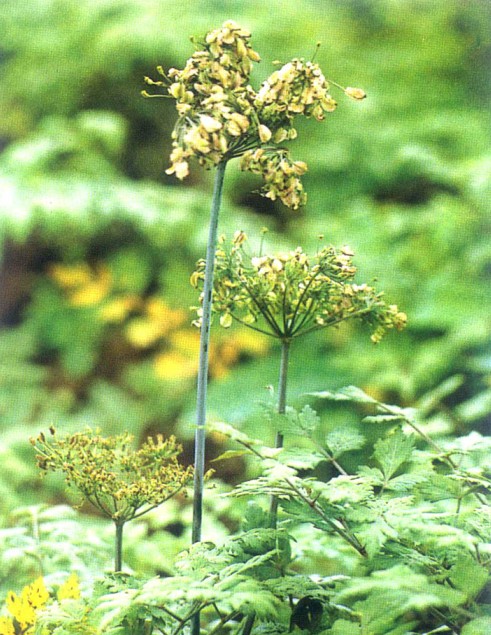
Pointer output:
118, 546
199, 447
200, 434
282, 383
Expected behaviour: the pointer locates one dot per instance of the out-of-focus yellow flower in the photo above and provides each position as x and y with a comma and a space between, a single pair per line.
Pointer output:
70, 276
6, 626
70, 589
143, 332
175, 365
157, 322
118, 309
84, 286
36, 594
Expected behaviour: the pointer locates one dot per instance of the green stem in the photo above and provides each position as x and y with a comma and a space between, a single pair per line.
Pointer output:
249, 623
199, 455
200, 435
282, 383
118, 546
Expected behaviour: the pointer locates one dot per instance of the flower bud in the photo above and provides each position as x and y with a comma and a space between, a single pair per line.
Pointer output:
226, 320
264, 133
210, 124
355, 93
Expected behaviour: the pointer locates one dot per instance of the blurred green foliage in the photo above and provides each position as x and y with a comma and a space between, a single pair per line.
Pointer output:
403, 178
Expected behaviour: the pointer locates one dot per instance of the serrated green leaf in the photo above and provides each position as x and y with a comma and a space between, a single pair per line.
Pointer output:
404, 482
438, 487
301, 459
374, 535
300, 423
343, 440
391, 452
372, 474
346, 488
308, 420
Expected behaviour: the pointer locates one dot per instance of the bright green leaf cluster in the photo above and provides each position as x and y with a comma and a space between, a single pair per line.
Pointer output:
289, 294
221, 116
121, 482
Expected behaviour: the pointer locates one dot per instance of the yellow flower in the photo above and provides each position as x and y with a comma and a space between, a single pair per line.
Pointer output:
6, 626
20, 609
70, 589
36, 593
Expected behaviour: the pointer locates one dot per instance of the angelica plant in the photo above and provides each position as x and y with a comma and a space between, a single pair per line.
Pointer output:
122, 483
222, 117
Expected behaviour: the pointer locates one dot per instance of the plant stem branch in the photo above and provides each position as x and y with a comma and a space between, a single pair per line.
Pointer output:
282, 384
200, 434
199, 455
351, 539
118, 546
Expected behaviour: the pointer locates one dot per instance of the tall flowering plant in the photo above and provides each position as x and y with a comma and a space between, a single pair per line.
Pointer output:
222, 117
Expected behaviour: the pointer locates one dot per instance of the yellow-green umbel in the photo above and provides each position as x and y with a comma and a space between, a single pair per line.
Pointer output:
221, 116
289, 294
123, 483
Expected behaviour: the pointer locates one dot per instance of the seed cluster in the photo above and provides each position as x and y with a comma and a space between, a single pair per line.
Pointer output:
289, 294
221, 116
123, 483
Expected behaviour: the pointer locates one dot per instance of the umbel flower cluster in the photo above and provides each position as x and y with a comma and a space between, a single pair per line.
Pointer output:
123, 483
290, 294
221, 116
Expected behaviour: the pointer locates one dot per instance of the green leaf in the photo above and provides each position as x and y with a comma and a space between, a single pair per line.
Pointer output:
301, 458
468, 576
344, 627
373, 474
230, 454
308, 420
481, 626
404, 482
382, 418
391, 452
475, 408
343, 440
300, 423
438, 487
255, 517
350, 393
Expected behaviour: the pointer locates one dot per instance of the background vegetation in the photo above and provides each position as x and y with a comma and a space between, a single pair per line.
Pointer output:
98, 243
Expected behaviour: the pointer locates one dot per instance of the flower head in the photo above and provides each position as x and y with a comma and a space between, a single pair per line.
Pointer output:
221, 116
288, 294
121, 482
